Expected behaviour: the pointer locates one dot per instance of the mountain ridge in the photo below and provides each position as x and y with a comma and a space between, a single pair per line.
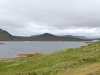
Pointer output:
5, 36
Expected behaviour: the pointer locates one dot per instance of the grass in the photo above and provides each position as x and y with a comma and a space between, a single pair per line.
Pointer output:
72, 61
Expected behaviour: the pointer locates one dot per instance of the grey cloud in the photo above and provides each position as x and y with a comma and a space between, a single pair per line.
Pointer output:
56, 14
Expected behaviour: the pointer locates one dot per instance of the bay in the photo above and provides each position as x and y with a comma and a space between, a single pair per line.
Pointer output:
11, 49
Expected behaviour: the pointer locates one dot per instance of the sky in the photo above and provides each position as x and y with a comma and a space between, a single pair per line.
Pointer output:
59, 17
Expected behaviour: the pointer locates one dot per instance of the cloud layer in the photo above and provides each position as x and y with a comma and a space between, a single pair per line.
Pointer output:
30, 17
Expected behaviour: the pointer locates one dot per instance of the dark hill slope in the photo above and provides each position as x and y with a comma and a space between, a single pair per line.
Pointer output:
5, 36
50, 37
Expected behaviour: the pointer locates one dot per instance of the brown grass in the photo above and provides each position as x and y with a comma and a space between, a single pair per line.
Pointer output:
87, 70
29, 55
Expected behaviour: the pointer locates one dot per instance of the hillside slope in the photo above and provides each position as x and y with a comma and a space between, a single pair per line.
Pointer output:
4, 35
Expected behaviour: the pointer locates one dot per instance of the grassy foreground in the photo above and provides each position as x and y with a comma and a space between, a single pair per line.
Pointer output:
84, 60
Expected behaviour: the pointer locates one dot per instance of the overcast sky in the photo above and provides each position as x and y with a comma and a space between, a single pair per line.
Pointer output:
60, 17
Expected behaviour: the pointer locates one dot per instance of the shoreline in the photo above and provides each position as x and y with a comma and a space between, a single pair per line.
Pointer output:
73, 61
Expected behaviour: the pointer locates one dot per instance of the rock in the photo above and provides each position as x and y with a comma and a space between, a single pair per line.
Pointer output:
2, 43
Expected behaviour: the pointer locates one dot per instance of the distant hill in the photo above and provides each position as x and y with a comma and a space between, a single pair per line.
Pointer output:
95, 38
35, 35
5, 36
82, 37
51, 37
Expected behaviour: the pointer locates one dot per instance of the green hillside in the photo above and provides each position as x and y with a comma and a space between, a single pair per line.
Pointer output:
84, 60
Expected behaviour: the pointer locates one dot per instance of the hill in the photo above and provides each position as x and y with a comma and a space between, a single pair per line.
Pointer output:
5, 36
51, 37
82, 37
84, 60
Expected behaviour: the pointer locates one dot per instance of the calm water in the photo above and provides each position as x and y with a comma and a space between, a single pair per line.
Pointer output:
11, 49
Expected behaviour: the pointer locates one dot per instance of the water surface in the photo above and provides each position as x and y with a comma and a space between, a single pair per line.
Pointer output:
11, 49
